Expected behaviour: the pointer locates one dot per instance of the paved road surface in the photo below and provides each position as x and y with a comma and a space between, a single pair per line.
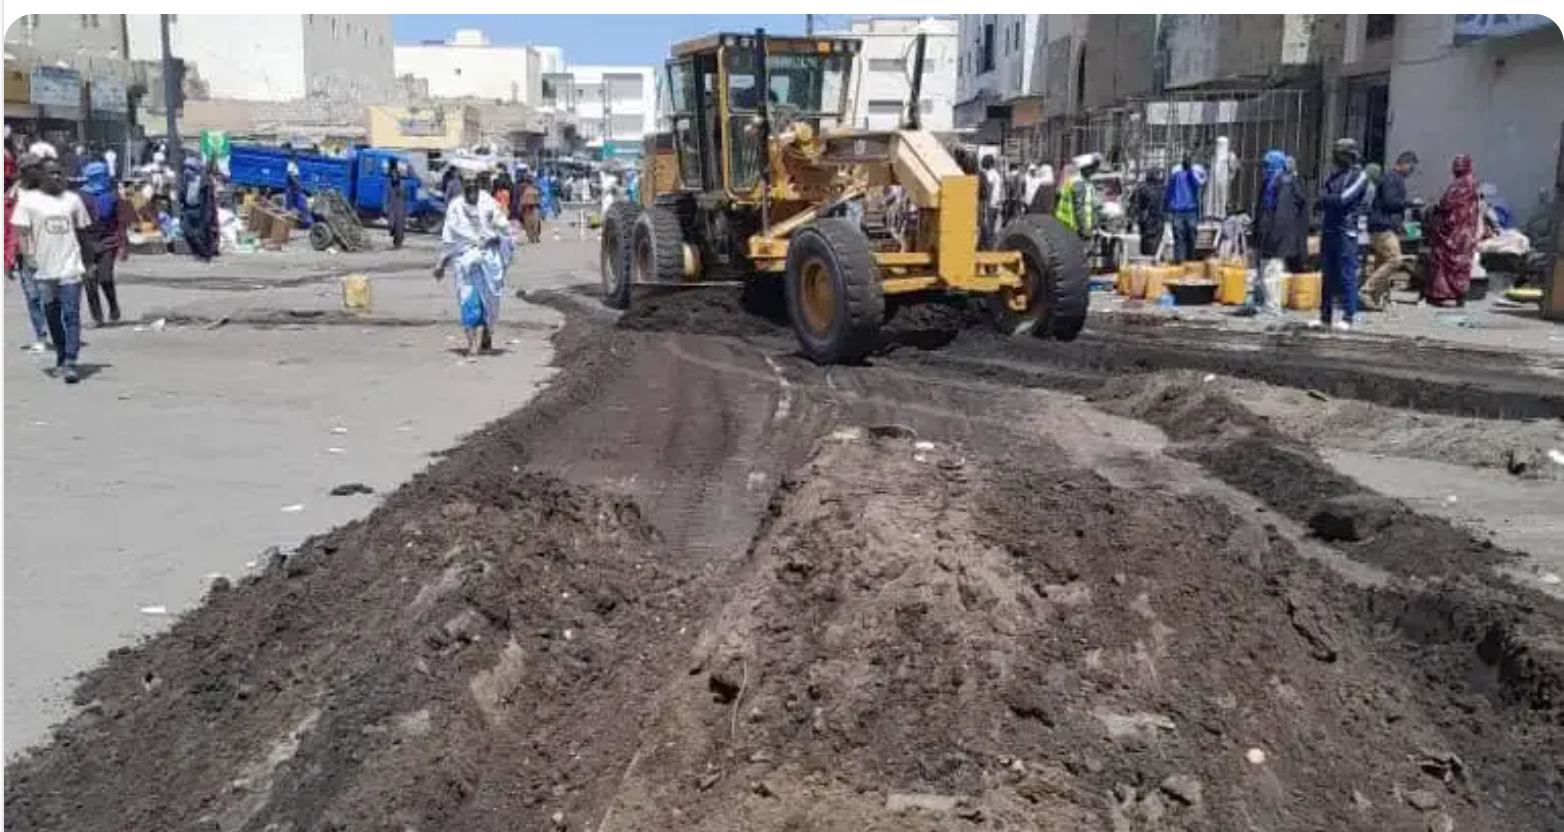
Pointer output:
177, 457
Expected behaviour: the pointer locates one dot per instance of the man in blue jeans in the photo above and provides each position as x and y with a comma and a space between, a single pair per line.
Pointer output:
27, 182
1343, 198
49, 221
1182, 203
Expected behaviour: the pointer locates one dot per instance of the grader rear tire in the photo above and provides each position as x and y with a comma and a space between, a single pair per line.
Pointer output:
1058, 282
657, 247
835, 300
614, 254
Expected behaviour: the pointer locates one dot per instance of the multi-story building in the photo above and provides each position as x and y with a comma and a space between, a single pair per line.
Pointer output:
995, 58
469, 65
269, 57
883, 71
618, 103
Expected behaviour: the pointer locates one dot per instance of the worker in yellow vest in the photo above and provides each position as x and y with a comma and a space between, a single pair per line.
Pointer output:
1076, 209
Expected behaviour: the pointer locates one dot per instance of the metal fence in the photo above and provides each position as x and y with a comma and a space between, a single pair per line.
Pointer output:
1145, 133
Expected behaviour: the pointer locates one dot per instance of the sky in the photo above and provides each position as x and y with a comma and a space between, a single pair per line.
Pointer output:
601, 39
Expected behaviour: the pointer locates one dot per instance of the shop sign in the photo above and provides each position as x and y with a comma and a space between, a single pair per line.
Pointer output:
107, 95
54, 86
1475, 27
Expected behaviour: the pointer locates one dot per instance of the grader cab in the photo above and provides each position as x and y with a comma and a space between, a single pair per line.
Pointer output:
761, 179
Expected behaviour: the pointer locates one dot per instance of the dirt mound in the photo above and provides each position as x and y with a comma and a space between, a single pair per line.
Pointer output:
924, 640
710, 310
431, 667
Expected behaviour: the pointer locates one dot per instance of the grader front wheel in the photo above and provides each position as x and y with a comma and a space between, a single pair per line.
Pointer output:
834, 297
1052, 303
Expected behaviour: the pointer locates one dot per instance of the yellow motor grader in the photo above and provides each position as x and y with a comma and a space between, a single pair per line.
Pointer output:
758, 179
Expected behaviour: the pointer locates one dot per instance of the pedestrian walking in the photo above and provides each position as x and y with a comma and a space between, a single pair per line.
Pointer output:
21, 179
1182, 203
476, 247
105, 242
1342, 202
1386, 219
48, 221
1453, 240
396, 202
1146, 208
1281, 216
993, 199
198, 202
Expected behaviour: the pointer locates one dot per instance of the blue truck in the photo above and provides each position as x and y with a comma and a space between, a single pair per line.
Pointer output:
359, 176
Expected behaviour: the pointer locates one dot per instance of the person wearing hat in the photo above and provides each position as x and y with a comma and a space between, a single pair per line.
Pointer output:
1342, 200
1077, 197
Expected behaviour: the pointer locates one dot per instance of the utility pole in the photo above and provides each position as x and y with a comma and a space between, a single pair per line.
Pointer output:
171, 94
809, 25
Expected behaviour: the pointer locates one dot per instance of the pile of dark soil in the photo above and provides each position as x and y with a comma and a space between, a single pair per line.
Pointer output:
448, 663
707, 310
983, 646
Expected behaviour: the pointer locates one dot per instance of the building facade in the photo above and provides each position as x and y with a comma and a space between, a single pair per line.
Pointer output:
882, 71
68, 79
268, 57
470, 66
613, 103
996, 55
1491, 86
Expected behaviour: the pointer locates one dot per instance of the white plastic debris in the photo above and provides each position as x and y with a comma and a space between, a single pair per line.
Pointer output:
156, 609
923, 445
159, 325
293, 509
1554, 454
1452, 499
1551, 578
1255, 756
919, 458
339, 430
335, 451
570, 634
1209, 377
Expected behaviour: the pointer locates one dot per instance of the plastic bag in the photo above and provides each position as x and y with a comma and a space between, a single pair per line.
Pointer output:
472, 307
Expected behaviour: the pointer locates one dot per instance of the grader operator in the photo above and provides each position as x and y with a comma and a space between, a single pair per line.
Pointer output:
759, 179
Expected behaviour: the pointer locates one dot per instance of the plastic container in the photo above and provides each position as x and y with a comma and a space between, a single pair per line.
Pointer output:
355, 292
1157, 279
1303, 291
1232, 285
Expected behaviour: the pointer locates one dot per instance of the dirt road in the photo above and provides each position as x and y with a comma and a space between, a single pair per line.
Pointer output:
703, 584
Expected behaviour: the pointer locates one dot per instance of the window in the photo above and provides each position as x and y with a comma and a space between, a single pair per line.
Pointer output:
885, 107
458, 71
926, 105
988, 48
1019, 37
94, 21
885, 65
1380, 26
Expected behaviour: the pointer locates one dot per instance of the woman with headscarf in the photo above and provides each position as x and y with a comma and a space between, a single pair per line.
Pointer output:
502, 188
396, 202
1280, 234
199, 205
104, 241
475, 245
1453, 241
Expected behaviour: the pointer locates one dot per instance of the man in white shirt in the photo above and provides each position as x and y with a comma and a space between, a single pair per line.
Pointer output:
48, 220
994, 206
